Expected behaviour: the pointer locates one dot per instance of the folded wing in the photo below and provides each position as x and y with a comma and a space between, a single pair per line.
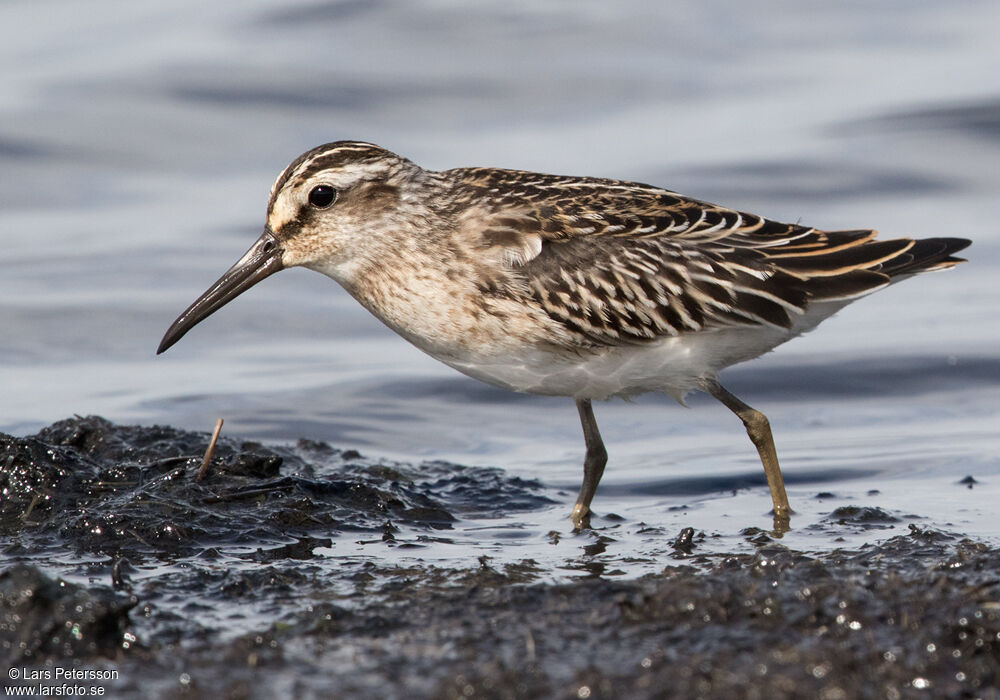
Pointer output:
623, 262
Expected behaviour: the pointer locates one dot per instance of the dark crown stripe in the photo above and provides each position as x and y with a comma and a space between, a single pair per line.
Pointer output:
329, 155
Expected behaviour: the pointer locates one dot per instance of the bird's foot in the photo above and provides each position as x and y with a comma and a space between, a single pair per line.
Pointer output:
782, 521
580, 517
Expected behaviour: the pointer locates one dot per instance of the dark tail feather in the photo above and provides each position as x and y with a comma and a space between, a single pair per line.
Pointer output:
925, 255
867, 256
860, 269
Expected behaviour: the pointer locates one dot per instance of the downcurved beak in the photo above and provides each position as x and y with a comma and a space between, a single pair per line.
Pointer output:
262, 260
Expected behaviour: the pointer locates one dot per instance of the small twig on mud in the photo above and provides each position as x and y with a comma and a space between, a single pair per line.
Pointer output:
35, 498
209, 451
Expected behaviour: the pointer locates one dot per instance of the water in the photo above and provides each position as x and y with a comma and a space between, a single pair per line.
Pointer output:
137, 148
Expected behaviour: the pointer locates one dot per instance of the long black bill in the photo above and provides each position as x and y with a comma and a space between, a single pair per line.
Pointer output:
262, 260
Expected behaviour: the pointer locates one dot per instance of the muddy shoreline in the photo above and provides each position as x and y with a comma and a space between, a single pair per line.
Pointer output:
114, 558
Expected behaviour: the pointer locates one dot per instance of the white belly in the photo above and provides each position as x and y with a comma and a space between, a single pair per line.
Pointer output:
673, 365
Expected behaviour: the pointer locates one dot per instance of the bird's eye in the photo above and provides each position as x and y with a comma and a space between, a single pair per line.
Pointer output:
322, 196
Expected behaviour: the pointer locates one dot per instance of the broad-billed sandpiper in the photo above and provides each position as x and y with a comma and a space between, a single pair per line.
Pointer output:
567, 286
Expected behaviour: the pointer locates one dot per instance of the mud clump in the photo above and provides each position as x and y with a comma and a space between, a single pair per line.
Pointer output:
45, 620
248, 584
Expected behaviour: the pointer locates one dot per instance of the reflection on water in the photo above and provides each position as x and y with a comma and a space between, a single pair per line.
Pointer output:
978, 119
138, 150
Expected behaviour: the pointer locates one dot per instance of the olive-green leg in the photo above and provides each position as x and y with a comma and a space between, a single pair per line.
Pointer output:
759, 430
593, 464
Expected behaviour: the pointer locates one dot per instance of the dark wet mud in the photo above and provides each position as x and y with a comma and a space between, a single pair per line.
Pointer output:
114, 560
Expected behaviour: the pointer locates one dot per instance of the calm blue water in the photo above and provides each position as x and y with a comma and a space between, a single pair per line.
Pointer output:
138, 143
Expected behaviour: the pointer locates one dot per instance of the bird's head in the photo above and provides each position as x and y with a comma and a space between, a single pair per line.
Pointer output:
330, 210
